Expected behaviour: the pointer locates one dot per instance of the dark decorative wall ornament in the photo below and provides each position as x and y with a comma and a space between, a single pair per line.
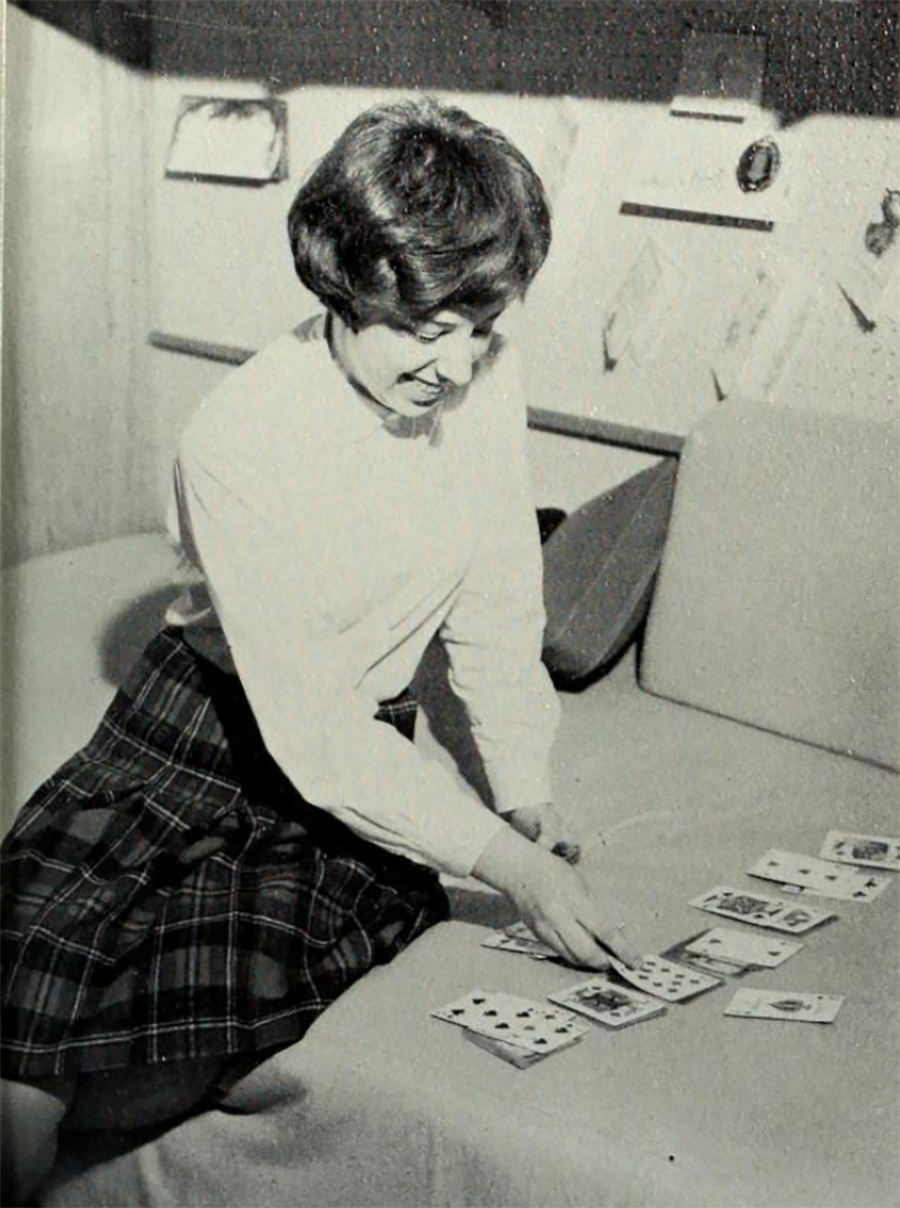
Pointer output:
880, 235
758, 166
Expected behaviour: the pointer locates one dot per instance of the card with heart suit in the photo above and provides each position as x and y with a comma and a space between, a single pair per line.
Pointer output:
822, 877
519, 938
665, 979
761, 951
761, 910
606, 1002
866, 851
795, 1006
517, 1021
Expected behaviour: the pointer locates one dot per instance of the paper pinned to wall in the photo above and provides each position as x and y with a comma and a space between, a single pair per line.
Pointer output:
635, 314
689, 170
229, 139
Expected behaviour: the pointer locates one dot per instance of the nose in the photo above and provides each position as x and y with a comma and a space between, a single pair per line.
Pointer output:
455, 361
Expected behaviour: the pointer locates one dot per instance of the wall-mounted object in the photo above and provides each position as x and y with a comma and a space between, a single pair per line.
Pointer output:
686, 171
721, 76
758, 165
229, 140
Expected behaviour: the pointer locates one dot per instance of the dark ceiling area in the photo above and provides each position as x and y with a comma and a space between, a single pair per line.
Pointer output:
832, 56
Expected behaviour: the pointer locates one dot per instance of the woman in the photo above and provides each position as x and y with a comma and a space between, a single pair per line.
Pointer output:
249, 830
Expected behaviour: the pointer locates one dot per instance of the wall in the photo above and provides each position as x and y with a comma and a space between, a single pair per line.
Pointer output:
77, 284
92, 414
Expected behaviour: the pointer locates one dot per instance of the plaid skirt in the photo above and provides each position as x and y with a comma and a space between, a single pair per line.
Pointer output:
168, 894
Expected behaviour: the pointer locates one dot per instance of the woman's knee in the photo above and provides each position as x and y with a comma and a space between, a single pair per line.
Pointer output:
30, 1118
128, 1099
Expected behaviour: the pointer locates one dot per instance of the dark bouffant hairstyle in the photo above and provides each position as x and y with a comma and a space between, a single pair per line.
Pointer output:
418, 208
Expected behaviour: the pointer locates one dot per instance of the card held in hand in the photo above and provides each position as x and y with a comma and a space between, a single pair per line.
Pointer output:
761, 910
792, 1005
519, 938
866, 851
666, 979
612, 1005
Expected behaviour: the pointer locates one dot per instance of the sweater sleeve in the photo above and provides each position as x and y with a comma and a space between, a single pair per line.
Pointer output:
294, 665
494, 633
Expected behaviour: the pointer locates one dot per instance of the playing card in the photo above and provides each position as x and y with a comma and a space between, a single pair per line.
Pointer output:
822, 877
518, 1021
612, 1005
521, 1058
518, 938
715, 965
785, 1004
867, 851
666, 979
761, 910
760, 951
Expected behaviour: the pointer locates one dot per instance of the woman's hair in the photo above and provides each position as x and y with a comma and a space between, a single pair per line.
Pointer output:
418, 208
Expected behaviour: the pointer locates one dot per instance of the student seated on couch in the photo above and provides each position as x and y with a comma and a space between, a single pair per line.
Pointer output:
249, 831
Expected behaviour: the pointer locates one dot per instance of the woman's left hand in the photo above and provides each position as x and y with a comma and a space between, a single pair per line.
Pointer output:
544, 825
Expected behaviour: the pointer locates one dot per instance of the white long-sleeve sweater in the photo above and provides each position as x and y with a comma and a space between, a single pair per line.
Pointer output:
333, 546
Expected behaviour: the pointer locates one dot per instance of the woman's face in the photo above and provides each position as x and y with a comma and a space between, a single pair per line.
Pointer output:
409, 371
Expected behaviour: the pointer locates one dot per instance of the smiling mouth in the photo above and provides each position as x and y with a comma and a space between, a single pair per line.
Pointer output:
433, 390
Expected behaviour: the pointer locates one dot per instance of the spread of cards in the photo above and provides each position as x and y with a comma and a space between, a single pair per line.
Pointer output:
850, 868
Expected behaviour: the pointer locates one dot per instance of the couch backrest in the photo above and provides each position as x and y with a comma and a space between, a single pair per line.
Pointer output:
778, 595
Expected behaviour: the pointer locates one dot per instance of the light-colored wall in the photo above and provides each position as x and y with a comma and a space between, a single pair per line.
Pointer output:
102, 248
78, 276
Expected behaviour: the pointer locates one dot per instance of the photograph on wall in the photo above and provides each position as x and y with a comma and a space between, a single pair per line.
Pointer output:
229, 139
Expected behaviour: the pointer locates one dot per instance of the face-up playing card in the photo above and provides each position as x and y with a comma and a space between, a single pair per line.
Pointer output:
761, 910
867, 851
665, 979
612, 1005
785, 1004
761, 951
822, 877
522, 1059
518, 938
517, 1021
716, 966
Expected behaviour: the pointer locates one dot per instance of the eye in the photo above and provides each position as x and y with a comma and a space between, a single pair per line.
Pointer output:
428, 337
484, 331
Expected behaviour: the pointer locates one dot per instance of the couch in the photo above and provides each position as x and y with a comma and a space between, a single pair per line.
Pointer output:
758, 708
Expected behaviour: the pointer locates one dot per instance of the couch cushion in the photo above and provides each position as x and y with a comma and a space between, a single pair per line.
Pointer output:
599, 569
777, 600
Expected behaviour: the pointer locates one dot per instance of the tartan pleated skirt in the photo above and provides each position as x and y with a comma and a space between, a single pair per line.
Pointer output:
168, 895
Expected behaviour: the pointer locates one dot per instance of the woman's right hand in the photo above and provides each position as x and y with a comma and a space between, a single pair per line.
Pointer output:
554, 901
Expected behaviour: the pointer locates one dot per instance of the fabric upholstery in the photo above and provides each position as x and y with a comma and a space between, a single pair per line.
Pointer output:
599, 569
777, 600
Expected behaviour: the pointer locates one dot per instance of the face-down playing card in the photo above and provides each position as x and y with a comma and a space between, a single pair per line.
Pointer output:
762, 910
795, 1006
517, 1021
822, 877
666, 979
610, 1004
866, 851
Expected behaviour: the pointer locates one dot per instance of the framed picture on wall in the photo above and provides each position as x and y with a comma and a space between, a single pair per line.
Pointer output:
229, 140
721, 76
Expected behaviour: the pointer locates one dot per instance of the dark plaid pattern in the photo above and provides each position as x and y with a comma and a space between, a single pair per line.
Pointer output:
168, 895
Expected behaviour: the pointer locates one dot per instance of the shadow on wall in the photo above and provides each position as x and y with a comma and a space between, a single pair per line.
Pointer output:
823, 56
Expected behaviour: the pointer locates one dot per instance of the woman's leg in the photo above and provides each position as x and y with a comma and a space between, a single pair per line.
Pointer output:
124, 1099
29, 1122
